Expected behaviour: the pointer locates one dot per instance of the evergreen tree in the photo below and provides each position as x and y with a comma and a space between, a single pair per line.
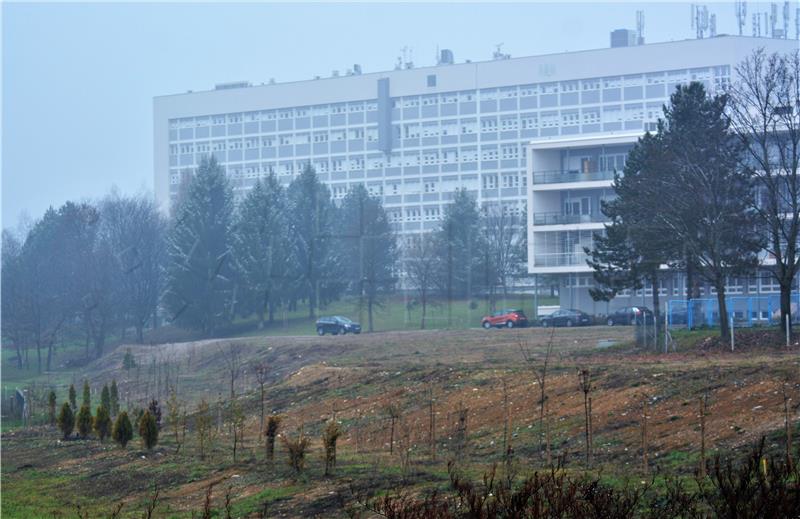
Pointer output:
198, 272
128, 362
84, 421
51, 406
66, 420
114, 397
87, 396
102, 423
459, 248
105, 397
707, 200
148, 430
123, 431
261, 249
73, 397
311, 215
635, 243
367, 248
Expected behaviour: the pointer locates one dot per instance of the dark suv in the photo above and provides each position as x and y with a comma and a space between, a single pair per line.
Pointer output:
630, 315
336, 325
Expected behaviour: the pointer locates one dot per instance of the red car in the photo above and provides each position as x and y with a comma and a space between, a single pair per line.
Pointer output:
506, 318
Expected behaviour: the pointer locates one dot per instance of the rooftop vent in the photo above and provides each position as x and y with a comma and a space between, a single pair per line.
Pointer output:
357, 69
234, 84
624, 38
446, 57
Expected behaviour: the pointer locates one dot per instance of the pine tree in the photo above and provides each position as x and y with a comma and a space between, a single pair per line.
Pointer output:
105, 397
123, 430
367, 248
114, 398
148, 430
66, 420
87, 397
128, 362
311, 216
73, 398
102, 423
51, 406
199, 264
706, 196
458, 248
635, 243
84, 421
261, 249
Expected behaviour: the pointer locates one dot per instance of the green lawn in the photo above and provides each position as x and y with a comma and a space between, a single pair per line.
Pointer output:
397, 313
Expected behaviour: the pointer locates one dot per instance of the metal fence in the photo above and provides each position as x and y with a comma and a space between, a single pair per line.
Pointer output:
746, 311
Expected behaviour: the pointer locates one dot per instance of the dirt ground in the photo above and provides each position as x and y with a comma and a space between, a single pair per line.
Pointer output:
357, 379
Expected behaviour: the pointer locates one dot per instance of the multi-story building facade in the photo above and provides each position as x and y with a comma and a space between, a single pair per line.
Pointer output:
571, 172
414, 135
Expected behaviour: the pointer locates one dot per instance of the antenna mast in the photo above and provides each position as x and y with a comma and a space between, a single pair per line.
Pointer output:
741, 15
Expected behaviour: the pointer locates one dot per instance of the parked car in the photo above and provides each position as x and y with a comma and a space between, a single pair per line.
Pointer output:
336, 325
569, 317
506, 318
630, 315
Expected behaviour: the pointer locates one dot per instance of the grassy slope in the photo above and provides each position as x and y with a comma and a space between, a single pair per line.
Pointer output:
359, 376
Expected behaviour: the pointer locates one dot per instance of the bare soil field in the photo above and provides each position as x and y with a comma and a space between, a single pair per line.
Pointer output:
446, 383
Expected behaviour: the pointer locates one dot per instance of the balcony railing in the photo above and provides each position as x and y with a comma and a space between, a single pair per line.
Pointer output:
561, 176
557, 218
560, 260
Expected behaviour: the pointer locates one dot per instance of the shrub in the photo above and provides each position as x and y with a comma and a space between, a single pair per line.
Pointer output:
105, 397
148, 430
102, 423
128, 362
296, 450
331, 433
84, 421
114, 398
155, 412
273, 422
123, 430
87, 395
66, 420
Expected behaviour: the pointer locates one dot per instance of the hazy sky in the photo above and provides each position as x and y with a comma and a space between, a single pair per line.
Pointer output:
79, 79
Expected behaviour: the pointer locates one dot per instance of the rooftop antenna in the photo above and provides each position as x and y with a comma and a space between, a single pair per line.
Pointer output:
773, 19
699, 19
786, 12
498, 53
408, 60
741, 15
797, 24
712, 25
640, 27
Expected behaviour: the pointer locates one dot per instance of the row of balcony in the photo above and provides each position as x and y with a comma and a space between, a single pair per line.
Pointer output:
557, 218
560, 260
561, 176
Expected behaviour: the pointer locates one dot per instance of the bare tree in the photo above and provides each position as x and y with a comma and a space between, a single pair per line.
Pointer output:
232, 356
262, 370
539, 369
204, 424
645, 406
421, 263
393, 413
703, 414
503, 243
765, 110
585, 384
787, 421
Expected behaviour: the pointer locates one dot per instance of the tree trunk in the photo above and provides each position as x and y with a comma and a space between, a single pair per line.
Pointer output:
424, 308
656, 307
369, 311
724, 326
786, 307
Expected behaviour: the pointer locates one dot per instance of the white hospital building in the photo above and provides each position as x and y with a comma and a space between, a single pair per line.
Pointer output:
538, 135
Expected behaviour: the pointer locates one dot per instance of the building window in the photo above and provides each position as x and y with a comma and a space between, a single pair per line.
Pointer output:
431, 80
